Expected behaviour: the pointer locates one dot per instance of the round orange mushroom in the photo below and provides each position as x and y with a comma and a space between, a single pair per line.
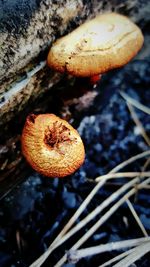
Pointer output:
51, 145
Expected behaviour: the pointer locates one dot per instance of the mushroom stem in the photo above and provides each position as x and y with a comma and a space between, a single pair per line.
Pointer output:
95, 79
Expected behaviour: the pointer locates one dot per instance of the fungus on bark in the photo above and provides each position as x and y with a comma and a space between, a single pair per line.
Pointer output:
106, 42
51, 145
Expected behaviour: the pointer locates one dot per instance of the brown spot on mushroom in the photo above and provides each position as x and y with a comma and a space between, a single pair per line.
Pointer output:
32, 118
51, 145
57, 134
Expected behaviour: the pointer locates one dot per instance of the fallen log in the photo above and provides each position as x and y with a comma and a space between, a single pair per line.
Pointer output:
27, 30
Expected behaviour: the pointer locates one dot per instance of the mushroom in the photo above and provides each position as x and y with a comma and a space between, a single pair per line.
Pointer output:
51, 145
106, 42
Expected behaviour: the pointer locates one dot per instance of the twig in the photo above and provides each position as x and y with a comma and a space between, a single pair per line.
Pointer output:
136, 217
101, 221
139, 252
130, 160
111, 175
143, 169
135, 103
75, 255
146, 164
97, 211
117, 258
45, 255
146, 187
138, 123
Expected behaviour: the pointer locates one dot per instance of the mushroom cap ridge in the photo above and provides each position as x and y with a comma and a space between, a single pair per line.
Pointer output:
106, 42
51, 145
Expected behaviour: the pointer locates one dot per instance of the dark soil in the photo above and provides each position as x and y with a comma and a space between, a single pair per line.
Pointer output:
35, 211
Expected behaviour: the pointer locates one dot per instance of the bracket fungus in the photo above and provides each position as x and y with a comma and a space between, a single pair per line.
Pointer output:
106, 42
51, 145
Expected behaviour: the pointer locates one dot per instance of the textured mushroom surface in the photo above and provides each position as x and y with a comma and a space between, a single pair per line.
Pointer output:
106, 42
51, 145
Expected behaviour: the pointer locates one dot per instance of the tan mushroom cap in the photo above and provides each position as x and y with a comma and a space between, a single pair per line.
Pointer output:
106, 42
51, 145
